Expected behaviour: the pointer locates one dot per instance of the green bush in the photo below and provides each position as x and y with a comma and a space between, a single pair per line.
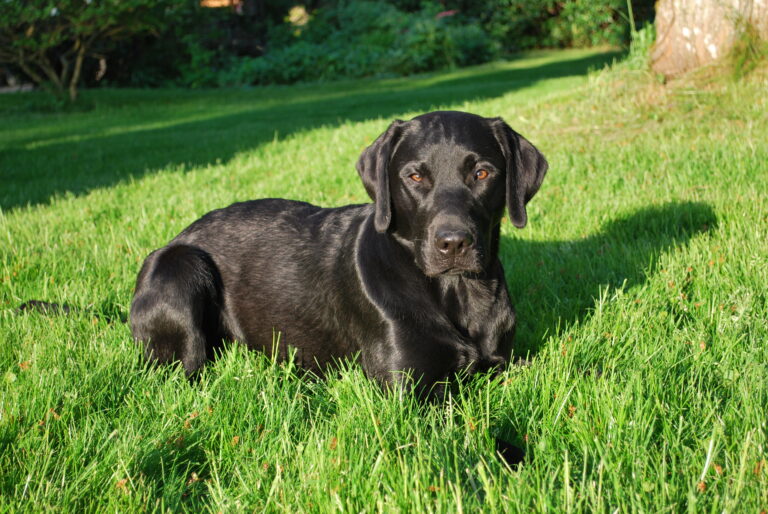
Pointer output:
180, 43
50, 41
522, 24
583, 23
364, 39
190, 49
374, 38
639, 54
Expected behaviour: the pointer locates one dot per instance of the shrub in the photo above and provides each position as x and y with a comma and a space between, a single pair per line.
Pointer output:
50, 41
364, 39
189, 49
522, 24
582, 23
260, 44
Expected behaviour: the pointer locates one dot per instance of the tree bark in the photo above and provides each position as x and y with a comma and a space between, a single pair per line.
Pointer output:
691, 33
76, 73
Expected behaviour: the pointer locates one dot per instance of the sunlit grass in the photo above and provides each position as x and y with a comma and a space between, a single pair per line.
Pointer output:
640, 288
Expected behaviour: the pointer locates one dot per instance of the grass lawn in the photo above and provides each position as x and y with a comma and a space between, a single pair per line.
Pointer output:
641, 287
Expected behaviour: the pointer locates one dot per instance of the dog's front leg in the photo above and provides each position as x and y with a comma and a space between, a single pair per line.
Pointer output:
419, 358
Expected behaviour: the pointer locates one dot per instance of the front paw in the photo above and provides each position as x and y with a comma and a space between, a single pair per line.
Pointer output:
493, 363
467, 360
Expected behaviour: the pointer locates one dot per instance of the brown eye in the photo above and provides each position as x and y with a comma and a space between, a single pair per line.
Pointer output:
481, 174
416, 177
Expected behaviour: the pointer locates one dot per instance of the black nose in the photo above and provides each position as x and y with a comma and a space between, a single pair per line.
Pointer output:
453, 242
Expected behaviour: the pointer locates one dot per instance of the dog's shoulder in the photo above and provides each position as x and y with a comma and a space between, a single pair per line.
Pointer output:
280, 208
279, 221
261, 207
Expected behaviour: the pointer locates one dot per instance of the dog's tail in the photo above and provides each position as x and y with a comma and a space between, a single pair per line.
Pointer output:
62, 308
45, 307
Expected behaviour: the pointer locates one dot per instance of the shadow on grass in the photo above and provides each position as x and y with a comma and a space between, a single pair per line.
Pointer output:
554, 284
109, 148
176, 471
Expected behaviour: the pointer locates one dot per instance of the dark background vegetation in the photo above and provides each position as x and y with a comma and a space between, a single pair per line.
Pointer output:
257, 43
253, 42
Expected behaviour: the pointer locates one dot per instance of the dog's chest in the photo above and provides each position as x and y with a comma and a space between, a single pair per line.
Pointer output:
479, 309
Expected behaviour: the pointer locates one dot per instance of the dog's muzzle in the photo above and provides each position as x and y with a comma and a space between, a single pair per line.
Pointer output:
452, 251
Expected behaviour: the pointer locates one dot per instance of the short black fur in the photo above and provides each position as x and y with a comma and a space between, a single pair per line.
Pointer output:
411, 284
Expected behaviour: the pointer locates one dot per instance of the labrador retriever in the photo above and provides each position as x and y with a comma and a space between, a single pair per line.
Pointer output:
410, 284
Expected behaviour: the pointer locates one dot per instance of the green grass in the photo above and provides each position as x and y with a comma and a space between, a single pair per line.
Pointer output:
640, 287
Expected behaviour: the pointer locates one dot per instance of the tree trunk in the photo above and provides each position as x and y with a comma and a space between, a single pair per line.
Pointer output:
691, 33
76, 73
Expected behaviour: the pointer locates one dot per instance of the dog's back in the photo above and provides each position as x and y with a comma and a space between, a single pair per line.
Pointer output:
274, 272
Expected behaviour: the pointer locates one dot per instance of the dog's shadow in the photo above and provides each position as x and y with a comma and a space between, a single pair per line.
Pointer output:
554, 284
175, 470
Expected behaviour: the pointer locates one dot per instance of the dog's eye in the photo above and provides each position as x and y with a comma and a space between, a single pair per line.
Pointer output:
481, 174
416, 177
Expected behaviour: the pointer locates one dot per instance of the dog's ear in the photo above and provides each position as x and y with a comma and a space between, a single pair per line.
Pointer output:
526, 167
373, 167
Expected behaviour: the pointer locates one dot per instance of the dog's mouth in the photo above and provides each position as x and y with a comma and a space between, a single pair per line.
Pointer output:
454, 267
451, 253
456, 272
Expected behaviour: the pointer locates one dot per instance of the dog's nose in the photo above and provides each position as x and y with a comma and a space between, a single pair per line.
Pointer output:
453, 242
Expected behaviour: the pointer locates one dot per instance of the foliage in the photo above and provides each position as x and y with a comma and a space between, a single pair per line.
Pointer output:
369, 38
49, 41
640, 46
748, 51
517, 25
359, 39
582, 23
177, 42
187, 49
194, 45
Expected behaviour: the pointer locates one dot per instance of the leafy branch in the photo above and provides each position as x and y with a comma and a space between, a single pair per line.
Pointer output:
49, 42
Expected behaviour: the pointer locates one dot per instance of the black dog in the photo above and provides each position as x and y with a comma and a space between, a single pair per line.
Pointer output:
412, 283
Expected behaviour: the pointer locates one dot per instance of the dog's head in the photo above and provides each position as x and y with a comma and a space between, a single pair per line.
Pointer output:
440, 183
